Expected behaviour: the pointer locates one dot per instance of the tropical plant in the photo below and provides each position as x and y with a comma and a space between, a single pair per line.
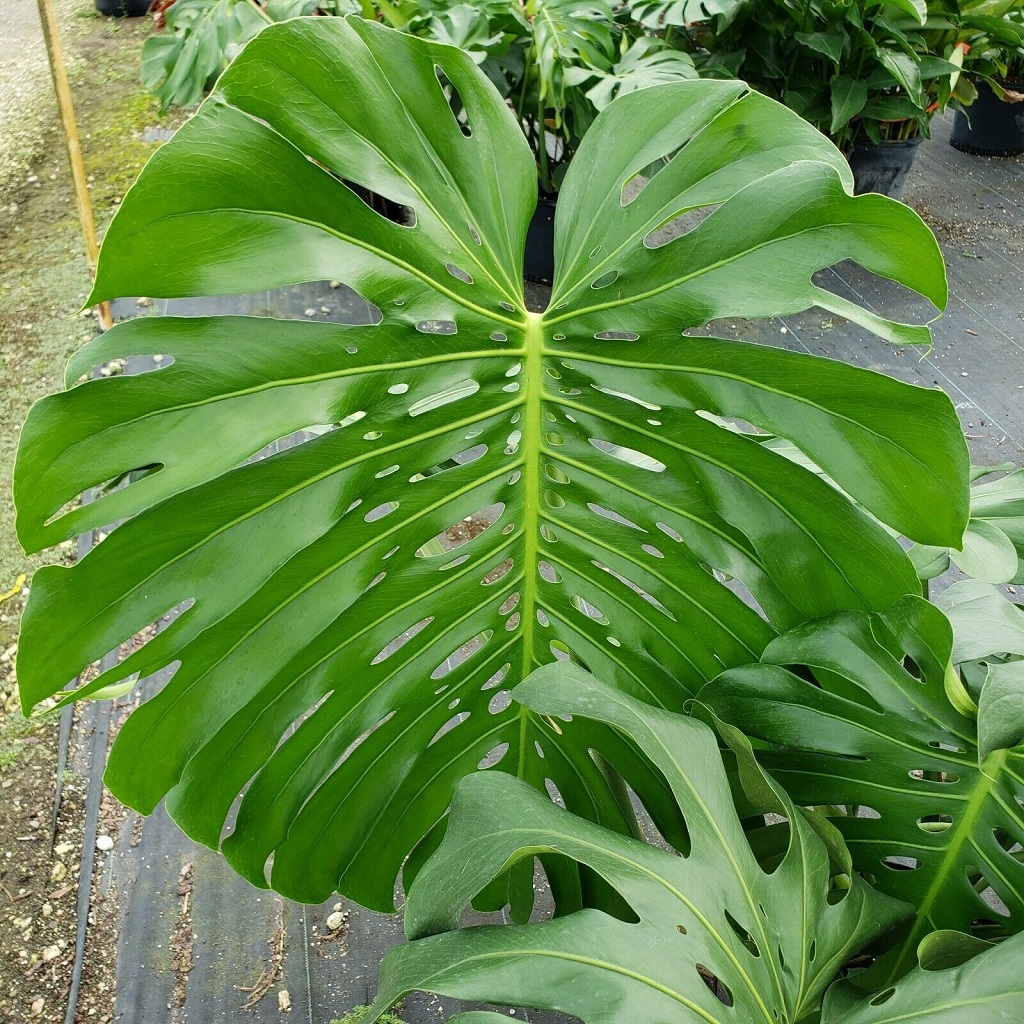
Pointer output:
730, 925
855, 68
201, 37
557, 62
487, 488
583, 445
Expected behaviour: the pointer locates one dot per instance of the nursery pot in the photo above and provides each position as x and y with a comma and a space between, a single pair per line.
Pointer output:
539, 264
123, 8
991, 126
882, 167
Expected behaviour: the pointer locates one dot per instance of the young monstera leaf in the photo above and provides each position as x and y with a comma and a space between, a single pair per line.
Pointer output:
715, 937
488, 486
940, 793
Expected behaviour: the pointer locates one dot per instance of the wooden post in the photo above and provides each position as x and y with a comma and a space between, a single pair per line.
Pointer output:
67, 116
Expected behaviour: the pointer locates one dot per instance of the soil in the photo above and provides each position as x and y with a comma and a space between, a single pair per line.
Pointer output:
43, 281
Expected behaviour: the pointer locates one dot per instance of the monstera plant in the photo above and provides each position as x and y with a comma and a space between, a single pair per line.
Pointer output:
488, 489
727, 925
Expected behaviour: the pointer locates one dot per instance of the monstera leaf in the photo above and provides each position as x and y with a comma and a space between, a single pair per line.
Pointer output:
994, 540
940, 794
487, 487
954, 984
715, 937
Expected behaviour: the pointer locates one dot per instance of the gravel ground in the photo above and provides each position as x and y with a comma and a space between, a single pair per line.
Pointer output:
28, 113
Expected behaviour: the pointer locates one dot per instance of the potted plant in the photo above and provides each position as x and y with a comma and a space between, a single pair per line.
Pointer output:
870, 76
994, 124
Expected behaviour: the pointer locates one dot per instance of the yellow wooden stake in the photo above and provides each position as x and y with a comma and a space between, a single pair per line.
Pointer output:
67, 116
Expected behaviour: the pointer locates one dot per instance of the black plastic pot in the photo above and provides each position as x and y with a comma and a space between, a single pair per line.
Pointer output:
539, 264
123, 8
882, 167
991, 126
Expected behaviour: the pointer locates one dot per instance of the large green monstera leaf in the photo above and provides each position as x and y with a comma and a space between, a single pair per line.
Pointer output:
940, 794
716, 937
488, 487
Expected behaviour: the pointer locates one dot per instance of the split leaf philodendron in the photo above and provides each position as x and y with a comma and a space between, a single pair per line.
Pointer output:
716, 932
866, 722
344, 657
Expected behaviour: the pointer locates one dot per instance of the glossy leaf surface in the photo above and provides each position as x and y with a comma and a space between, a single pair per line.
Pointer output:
486, 487
939, 819
717, 938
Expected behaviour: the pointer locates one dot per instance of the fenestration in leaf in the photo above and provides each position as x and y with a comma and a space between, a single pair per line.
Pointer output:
321, 610
716, 938
984, 989
940, 819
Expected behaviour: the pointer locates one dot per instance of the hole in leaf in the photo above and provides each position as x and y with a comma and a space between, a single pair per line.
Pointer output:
512, 622
493, 756
681, 928
461, 532
942, 778
554, 792
446, 397
509, 603
548, 572
678, 225
617, 336
588, 609
901, 863
380, 511
628, 455
387, 471
452, 723
717, 986
458, 273
542, 618
605, 279
607, 513
742, 934
626, 397
474, 234
497, 572
460, 655
669, 532
499, 702
454, 100
401, 640
437, 327
882, 997
498, 336
935, 823
498, 676
398, 389
652, 550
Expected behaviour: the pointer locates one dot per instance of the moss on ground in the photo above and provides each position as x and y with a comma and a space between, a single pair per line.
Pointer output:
358, 1013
